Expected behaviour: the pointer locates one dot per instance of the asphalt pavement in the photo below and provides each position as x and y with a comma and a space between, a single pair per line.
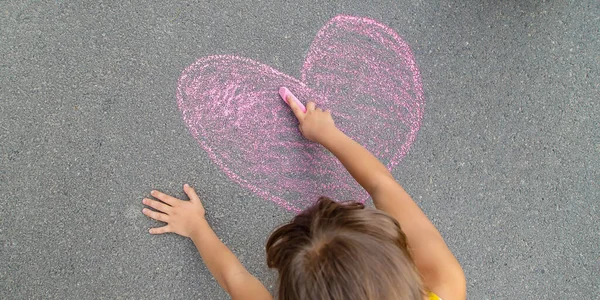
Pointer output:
506, 162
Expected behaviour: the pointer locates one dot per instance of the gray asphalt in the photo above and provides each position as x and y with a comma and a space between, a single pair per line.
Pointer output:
506, 163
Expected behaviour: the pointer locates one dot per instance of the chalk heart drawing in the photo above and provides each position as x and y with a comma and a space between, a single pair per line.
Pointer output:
360, 69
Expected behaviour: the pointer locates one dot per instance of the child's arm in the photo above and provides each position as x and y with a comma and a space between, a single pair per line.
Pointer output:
441, 271
186, 218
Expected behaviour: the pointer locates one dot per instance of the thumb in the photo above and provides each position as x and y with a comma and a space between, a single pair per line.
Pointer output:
295, 108
191, 193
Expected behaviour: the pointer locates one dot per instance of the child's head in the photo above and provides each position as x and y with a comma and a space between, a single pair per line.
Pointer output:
343, 251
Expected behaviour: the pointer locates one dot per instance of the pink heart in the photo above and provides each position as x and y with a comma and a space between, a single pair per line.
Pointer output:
360, 69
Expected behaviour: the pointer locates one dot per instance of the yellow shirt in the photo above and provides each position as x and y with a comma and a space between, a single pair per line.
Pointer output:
433, 296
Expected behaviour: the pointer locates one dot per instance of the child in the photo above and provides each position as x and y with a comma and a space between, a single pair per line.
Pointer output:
332, 250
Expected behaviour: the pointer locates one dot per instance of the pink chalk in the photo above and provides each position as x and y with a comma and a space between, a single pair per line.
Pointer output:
284, 93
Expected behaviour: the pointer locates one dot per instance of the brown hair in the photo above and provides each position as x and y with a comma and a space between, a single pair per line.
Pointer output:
343, 251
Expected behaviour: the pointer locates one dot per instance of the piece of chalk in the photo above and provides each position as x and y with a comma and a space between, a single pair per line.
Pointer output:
285, 93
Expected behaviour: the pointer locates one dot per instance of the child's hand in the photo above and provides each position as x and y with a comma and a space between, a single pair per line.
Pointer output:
182, 217
315, 124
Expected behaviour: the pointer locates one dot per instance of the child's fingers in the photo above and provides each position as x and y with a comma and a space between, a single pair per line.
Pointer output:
156, 215
157, 205
160, 230
191, 193
164, 198
310, 106
295, 108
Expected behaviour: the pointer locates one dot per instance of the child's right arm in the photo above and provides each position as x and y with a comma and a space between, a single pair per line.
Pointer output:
441, 271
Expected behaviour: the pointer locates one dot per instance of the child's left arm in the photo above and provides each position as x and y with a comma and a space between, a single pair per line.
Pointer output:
186, 218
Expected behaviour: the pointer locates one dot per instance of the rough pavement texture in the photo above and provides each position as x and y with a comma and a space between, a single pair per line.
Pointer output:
506, 163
